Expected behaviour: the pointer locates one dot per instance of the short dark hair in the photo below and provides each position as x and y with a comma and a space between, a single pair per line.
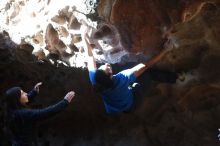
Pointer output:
13, 98
97, 35
103, 30
102, 81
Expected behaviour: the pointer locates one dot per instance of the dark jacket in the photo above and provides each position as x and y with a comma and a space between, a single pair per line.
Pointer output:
23, 120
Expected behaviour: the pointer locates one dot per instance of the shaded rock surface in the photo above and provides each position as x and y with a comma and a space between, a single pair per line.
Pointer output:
183, 114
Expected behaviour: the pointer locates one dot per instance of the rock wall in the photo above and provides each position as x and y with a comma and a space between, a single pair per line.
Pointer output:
185, 113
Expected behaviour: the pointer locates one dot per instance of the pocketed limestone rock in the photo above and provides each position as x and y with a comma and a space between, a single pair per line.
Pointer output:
59, 19
73, 23
63, 31
40, 54
38, 38
75, 38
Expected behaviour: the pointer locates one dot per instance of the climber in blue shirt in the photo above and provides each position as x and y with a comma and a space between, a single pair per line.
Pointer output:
21, 120
117, 91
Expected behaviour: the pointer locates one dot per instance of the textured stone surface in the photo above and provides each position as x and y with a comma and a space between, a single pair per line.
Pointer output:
147, 23
181, 114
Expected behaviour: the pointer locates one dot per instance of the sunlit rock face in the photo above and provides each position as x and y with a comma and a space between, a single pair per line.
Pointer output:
48, 26
138, 27
146, 25
182, 114
109, 39
54, 28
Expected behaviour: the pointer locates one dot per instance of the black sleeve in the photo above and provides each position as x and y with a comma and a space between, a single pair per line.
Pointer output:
31, 95
38, 114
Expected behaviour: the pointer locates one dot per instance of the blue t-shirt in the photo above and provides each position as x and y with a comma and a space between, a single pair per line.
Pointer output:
118, 98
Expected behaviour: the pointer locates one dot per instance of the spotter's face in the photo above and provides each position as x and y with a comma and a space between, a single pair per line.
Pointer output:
23, 98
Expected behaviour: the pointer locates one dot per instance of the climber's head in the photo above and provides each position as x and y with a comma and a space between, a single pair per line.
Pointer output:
103, 78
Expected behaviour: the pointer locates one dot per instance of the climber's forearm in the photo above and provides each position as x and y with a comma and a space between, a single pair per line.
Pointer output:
88, 48
155, 59
91, 63
141, 67
89, 55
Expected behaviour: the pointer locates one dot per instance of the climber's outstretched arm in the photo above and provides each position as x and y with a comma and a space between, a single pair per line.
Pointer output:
89, 54
140, 68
